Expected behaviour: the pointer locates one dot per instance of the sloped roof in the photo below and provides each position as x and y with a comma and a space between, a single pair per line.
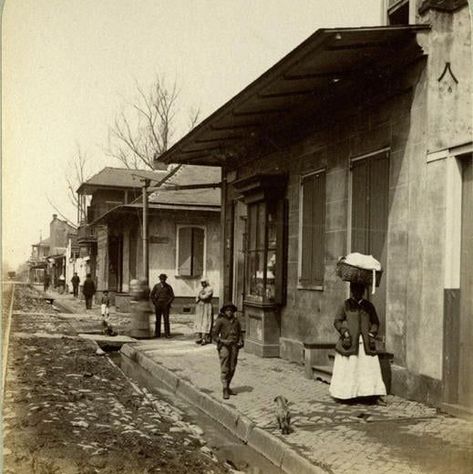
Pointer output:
110, 177
190, 175
328, 68
44, 243
193, 174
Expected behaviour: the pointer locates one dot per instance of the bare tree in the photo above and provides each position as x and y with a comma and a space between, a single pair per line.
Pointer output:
136, 139
76, 175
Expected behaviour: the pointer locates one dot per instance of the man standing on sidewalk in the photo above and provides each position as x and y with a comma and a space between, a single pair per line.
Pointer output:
162, 296
75, 280
89, 290
227, 334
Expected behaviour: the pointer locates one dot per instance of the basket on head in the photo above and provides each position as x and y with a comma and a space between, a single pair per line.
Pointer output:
354, 274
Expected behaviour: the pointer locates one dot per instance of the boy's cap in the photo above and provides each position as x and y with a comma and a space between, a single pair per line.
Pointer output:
228, 306
162, 275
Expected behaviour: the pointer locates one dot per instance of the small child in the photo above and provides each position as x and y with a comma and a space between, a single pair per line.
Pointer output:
105, 305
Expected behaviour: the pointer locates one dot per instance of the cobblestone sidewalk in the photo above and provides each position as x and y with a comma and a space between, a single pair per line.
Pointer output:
403, 436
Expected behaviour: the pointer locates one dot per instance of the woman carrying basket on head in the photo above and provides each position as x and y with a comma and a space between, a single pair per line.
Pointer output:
356, 370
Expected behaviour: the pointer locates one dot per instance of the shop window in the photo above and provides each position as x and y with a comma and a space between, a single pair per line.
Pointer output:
312, 230
264, 263
190, 251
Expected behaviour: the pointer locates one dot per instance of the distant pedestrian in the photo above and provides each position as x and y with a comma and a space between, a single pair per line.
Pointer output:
203, 313
88, 290
227, 333
105, 305
46, 282
75, 280
62, 283
162, 295
356, 370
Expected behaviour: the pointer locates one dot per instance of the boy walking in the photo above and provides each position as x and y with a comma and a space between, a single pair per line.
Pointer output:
227, 334
105, 305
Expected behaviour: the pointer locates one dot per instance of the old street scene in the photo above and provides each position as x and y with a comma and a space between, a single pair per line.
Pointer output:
237, 237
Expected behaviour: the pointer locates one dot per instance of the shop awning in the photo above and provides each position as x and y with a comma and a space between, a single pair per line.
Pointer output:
328, 66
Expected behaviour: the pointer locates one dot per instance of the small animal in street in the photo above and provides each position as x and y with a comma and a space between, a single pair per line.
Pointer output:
282, 414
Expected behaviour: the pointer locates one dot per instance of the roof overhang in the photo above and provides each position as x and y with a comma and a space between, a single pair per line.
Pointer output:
330, 65
153, 208
88, 189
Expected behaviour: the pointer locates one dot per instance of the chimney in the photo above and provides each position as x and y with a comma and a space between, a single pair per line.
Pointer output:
54, 216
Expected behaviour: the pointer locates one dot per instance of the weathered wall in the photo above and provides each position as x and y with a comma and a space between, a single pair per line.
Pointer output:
450, 89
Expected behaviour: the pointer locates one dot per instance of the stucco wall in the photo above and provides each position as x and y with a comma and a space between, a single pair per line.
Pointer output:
450, 90
414, 301
162, 256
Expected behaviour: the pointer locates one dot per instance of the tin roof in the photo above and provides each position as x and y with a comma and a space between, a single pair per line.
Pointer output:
110, 177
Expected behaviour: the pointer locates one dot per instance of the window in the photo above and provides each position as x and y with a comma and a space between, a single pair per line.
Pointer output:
398, 12
190, 251
264, 265
312, 230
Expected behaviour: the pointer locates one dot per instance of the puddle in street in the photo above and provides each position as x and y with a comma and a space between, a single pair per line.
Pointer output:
227, 448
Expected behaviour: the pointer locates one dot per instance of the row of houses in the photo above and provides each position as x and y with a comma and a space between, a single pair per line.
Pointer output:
53, 255
360, 139
183, 240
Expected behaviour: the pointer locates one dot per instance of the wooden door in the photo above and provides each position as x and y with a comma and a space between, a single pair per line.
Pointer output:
465, 379
369, 218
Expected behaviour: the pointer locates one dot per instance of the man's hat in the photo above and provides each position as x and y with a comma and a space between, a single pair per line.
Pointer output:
162, 275
228, 306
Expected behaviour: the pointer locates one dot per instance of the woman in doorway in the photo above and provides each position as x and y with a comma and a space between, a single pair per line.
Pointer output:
203, 313
356, 370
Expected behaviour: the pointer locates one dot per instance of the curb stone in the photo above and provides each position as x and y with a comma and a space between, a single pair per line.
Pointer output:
272, 448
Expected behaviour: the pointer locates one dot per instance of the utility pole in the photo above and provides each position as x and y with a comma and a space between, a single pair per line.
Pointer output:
146, 183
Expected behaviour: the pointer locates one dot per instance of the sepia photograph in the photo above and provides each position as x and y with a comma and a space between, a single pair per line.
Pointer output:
237, 236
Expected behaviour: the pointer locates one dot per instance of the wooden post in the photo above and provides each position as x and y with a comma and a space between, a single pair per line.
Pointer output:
146, 183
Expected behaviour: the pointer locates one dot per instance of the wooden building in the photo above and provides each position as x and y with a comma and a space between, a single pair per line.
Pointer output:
184, 231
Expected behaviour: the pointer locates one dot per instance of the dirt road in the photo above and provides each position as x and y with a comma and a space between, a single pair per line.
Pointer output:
68, 410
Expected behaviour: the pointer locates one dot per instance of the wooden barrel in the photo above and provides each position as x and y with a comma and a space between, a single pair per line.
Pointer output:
140, 313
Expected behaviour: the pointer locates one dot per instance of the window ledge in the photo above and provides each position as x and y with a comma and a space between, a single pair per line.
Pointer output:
187, 277
310, 288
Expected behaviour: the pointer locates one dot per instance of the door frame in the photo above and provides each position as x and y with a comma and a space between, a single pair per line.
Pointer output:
453, 266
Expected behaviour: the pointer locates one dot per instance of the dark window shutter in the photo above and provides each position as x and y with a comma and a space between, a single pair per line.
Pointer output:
378, 205
306, 253
318, 230
185, 251
197, 251
313, 230
359, 223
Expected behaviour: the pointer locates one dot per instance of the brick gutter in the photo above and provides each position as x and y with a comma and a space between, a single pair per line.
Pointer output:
279, 453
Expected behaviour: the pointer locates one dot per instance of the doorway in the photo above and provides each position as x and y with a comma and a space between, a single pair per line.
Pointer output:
239, 246
465, 379
115, 257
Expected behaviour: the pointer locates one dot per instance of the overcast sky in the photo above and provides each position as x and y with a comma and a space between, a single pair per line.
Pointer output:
69, 66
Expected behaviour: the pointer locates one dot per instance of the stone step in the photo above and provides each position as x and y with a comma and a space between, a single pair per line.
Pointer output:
322, 372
